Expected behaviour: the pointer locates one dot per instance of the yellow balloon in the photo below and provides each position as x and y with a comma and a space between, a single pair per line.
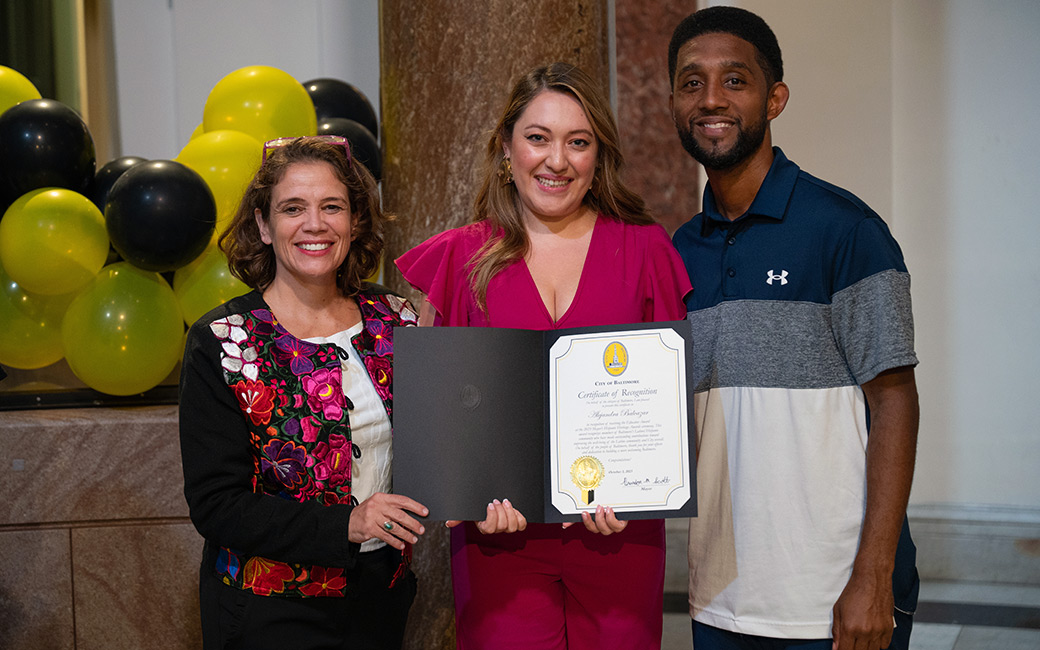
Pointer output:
261, 101
222, 225
227, 161
375, 277
16, 88
123, 333
197, 132
53, 241
204, 284
31, 326
180, 274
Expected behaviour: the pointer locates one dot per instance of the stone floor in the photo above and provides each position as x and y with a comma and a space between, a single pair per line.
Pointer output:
951, 616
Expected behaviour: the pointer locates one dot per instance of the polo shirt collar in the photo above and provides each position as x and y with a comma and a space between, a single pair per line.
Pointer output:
770, 202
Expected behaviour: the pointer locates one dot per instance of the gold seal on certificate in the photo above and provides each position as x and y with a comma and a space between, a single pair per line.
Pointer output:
587, 473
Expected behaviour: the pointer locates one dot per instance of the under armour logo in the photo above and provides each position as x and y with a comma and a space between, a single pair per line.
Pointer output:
780, 277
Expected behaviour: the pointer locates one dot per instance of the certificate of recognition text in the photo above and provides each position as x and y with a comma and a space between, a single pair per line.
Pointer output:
618, 422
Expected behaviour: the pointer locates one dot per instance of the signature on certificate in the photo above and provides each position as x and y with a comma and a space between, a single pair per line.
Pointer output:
635, 482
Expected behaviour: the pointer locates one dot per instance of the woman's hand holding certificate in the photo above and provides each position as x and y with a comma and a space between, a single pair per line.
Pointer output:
502, 517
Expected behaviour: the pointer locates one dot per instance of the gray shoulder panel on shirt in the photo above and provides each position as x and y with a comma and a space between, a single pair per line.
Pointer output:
867, 329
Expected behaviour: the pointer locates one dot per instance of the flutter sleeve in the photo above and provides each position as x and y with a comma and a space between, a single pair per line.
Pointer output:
439, 268
666, 279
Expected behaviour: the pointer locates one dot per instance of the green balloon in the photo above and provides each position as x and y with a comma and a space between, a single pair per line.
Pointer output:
31, 336
204, 284
123, 333
53, 241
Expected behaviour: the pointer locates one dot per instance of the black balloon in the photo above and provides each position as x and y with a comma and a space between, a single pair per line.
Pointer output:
107, 175
335, 98
363, 145
44, 143
160, 215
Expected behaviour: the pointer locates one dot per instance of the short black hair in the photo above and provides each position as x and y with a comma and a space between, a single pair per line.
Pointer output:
729, 20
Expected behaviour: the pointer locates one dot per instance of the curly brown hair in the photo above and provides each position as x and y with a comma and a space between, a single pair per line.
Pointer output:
499, 203
253, 262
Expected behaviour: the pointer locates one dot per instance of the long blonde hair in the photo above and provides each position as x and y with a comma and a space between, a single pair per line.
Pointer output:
499, 203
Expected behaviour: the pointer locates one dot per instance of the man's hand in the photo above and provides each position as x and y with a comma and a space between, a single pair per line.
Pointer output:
863, 614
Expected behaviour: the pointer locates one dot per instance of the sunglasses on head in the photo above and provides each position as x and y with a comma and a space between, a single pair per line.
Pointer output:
271, 145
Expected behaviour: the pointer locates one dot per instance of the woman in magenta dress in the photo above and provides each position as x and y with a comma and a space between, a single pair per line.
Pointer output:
557, 241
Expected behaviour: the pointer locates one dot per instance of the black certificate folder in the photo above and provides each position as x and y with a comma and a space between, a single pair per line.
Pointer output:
473, 417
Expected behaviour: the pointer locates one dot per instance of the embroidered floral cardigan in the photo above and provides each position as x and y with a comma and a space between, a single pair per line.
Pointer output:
265, 443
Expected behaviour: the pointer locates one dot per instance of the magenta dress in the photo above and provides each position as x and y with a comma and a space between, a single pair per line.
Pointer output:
549, 587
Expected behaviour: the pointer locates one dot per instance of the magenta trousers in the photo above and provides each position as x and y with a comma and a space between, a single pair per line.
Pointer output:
550, 588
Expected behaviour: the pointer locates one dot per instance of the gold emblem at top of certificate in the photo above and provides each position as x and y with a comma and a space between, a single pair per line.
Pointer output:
615, 359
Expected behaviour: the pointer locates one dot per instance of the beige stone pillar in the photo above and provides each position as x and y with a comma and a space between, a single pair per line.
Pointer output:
447, 67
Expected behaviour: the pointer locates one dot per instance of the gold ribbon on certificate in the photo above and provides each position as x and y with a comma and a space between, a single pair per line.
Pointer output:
587, 473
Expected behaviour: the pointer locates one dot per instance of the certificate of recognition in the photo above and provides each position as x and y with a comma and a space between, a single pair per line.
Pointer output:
618, 422
559, 421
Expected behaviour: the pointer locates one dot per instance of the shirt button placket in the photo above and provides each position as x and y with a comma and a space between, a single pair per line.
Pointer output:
729, 271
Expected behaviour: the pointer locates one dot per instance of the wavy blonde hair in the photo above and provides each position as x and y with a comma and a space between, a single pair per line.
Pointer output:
499, 203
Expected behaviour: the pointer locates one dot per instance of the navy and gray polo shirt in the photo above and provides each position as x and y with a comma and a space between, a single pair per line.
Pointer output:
795, 304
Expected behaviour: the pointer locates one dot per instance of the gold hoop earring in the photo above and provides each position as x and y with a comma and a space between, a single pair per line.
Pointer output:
505, 171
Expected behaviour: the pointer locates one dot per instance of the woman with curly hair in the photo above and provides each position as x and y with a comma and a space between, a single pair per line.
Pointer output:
286, 400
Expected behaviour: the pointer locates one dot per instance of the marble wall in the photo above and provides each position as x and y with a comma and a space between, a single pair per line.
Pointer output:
95, 544
656, 164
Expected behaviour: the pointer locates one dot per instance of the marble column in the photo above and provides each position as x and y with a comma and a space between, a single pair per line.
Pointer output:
446, 70
656, 165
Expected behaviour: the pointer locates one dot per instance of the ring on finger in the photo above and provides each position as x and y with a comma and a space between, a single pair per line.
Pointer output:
388, 526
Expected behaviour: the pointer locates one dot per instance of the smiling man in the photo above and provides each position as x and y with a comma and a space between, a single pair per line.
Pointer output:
803, 371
